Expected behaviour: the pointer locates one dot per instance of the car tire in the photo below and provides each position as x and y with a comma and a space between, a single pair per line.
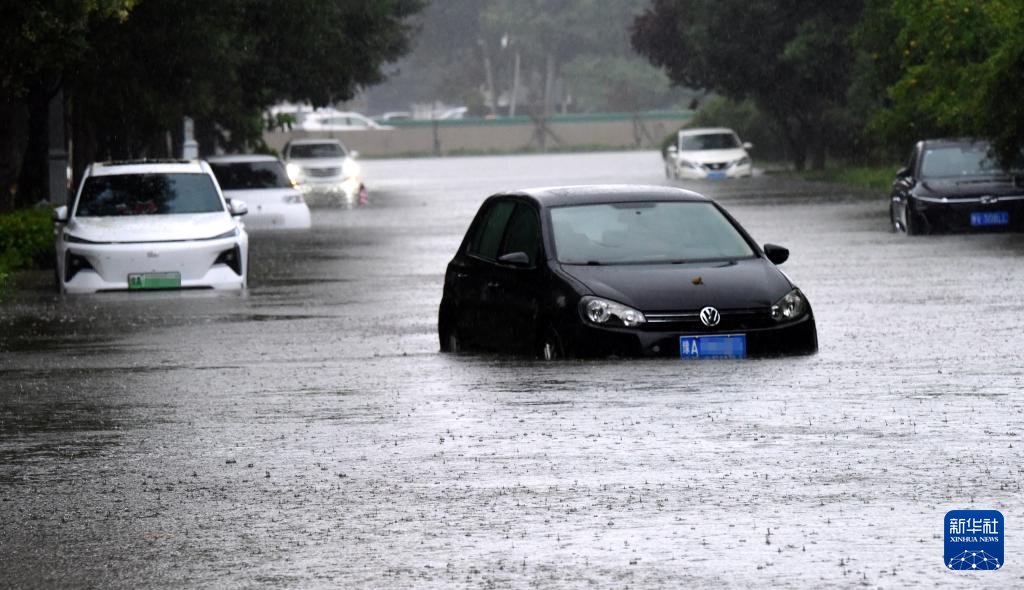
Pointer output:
911, 225
450, 341
550, 347
897, 225
670, 171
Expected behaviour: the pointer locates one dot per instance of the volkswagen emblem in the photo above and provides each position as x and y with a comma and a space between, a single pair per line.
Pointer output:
710, 317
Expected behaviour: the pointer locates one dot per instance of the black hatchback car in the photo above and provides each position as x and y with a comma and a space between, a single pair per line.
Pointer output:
955, 185
618, 271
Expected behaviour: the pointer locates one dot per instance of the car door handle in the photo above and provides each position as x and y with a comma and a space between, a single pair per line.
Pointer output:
461, 275
493, 285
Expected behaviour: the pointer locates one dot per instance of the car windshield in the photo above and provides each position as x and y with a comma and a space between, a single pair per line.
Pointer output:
250, 175
148, 194
316, 150
962, 160
708, 141
651, 232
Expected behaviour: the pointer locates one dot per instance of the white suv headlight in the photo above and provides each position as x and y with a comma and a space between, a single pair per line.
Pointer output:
601, 311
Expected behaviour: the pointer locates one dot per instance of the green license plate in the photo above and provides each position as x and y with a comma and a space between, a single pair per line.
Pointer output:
155, 280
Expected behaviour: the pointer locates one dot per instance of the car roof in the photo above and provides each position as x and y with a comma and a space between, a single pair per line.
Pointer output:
953, 141
241, 158
560, 196
705, 131
148, 167
314, 141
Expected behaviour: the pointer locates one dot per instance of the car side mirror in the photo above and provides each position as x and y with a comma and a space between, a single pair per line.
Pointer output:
515, 259
60, 214
748, 146
903, 173
776, 254
238, 208
672, 150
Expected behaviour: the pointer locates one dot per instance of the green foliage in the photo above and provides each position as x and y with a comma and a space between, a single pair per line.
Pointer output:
877, 179
791, 57
26, 240
954, 69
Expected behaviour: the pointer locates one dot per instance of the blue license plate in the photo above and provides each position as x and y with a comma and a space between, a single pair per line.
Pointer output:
716, 175
990, 218
732, 346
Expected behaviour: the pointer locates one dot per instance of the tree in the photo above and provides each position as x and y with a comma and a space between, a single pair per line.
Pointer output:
951, 68
131, 71
793, 58
40, 42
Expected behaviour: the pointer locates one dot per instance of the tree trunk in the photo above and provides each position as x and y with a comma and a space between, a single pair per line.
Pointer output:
34, 179
488, 77
819, 153
549, 84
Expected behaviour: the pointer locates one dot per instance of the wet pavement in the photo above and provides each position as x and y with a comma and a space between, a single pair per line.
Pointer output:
309, 434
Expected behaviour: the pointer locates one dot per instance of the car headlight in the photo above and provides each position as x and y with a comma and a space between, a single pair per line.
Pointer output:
602, 311
792, 306
294, 171
227, 234
70, 239
350, 168
689, 164
744, 161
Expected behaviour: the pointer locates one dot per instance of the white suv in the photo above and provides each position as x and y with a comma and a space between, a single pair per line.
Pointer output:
150, 225
324, 166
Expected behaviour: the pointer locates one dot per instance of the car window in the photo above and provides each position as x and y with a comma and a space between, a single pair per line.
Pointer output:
523, 233
316, 150
148, 194
250, 175
638, 233
488, 233
708, 141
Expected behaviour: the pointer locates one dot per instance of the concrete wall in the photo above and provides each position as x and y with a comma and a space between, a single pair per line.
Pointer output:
503, 135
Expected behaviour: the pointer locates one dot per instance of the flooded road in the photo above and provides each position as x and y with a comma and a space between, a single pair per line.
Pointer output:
309, 434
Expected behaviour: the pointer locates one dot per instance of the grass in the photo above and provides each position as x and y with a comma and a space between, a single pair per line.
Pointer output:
874, 178
26, 241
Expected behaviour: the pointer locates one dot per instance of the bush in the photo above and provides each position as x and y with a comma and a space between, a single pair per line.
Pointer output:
26, 241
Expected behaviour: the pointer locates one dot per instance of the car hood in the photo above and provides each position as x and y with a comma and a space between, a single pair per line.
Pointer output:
976, 187
261, 196
740, 284
319, 162
151, 228
713, 156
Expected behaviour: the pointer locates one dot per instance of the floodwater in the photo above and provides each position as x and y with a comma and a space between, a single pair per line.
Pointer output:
309, 434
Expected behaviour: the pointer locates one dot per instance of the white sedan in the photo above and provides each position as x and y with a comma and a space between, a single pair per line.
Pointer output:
150, 225
707, 153
261, 181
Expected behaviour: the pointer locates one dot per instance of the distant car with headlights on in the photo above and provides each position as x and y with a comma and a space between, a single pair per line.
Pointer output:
325, 166
714, 153
150, 225
262, 183
956, 185
595, 271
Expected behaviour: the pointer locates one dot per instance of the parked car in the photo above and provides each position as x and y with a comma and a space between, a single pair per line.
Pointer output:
956, 185
324, 166
618, 270
150, 225
393, 116
329, 120
707, 153
261, 181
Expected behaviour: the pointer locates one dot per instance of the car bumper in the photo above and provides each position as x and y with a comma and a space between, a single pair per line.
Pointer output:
347, 187
283, 216
955, 215
110, 264
585, 340
690, 173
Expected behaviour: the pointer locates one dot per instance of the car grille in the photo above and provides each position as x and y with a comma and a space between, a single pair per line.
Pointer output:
717, 166
733, 320
323, 172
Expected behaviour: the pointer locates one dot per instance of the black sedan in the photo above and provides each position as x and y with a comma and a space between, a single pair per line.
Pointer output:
955, 185
618, 271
